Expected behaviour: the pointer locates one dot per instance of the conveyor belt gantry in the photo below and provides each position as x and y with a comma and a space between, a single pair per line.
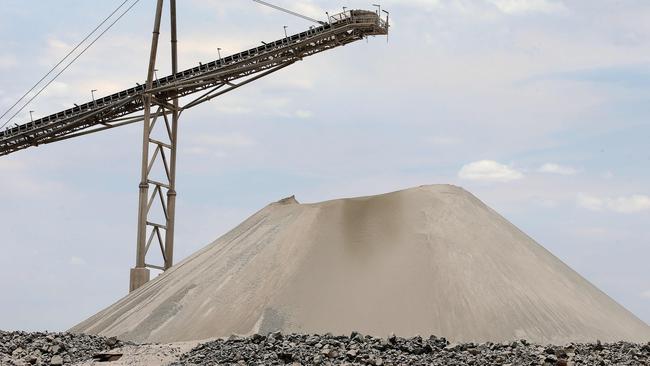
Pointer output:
214, 78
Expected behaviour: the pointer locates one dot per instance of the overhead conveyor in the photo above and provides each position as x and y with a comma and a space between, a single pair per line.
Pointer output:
214, 79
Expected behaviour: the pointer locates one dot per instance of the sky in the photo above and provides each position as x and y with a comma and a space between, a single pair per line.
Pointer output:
537, 107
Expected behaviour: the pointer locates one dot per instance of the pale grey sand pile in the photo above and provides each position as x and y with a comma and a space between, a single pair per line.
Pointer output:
427, 260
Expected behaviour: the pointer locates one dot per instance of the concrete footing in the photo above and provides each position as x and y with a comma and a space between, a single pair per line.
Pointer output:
139, 276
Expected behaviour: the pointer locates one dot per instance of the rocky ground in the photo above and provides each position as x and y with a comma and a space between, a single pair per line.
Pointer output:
20, 348
278, 349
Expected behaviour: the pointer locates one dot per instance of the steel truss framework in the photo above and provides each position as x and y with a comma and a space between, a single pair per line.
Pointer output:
214, 79
164, 152
156, 103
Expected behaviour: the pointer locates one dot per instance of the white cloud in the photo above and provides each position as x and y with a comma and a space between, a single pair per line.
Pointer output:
205, 48
8, 166
276, 102
58, 44
311, 10
7, 61
517, 7
77, 261
56, 50
624, 204
303, 114
56, 89
228, 140
197, 150
545, 202
21, 180
631, 204
592, 233
553, 168
646, 294
442, 140
206, 151
608, 175
231, 108
489, 171
302, 81
590, 202
426, 4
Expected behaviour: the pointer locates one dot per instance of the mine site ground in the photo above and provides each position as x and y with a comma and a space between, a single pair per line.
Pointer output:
22, 348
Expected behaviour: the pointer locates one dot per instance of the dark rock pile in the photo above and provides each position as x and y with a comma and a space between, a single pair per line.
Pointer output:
22, 348
279, 349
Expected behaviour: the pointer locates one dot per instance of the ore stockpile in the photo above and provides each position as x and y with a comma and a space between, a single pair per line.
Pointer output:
422, 261
21, 349
277, 349
24, 348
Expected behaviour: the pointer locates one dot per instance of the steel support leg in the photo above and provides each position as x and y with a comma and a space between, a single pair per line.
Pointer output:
140, 274
171, 193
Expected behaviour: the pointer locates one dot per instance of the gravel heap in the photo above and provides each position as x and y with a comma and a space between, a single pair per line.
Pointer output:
279, 349
23, 348
406, 253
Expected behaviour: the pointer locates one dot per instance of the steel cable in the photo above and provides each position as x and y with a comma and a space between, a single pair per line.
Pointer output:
65, 58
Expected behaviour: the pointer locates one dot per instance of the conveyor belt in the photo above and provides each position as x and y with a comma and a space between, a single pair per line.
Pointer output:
215, 78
